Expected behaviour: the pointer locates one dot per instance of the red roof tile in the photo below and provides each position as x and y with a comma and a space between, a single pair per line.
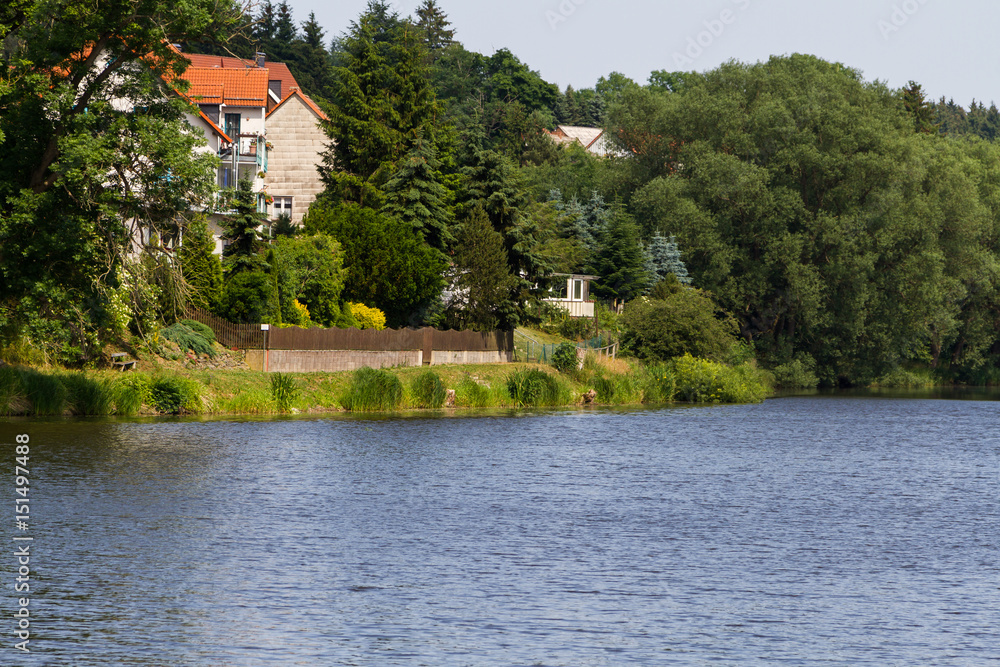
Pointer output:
232, 87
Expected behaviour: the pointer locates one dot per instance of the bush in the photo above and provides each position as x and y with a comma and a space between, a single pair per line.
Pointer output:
534, 388
174, 395
367, 317
704, 381
201, 329
564, 358
284, 390
372, 390
23, 352
683, 322
428, 391
904, 379
250, 296
797, 374
87, 396
188, 338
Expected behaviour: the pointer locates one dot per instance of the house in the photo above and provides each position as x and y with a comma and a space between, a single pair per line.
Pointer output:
591, 138
262, 126
573, 295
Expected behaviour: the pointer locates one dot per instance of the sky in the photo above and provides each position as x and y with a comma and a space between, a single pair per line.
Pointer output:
951, 48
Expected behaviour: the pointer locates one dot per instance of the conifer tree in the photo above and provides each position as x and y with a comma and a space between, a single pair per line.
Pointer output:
662, 258
200, 266
433, 26
242, 231
486, 297
620, 261
416, 196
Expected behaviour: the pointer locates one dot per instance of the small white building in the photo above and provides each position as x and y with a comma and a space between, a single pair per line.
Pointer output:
573, 295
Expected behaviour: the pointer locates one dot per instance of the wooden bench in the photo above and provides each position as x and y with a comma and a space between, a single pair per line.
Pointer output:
121, 359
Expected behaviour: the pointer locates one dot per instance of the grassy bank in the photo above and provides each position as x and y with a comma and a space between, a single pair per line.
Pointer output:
30, 391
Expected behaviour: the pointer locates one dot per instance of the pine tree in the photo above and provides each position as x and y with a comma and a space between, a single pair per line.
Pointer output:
416, 196
284, 26
200, 266
619, 261
918, 107
662, 258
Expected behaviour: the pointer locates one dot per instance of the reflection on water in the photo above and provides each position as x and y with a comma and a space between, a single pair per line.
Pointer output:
845, 530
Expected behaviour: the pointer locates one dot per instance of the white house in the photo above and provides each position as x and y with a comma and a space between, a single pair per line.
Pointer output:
573, 295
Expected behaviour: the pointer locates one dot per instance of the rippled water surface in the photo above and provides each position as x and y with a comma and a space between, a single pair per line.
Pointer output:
804, 531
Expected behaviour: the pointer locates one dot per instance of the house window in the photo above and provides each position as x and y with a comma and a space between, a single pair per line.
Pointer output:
232, 125
577, 290
282, 206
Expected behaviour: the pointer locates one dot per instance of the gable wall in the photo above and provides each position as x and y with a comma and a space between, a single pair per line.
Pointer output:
298, 142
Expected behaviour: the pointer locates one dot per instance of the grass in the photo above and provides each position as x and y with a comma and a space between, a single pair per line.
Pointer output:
373, 390
532, 388
427, 390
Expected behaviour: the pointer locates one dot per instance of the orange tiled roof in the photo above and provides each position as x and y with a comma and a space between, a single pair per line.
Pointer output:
232, 87
276, 71
304, 98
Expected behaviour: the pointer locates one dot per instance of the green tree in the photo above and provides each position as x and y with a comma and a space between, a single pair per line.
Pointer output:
416, 196
619, 260
200, 266
242, 231
433, 24
311, 271
387, 263
484, 292
663, 258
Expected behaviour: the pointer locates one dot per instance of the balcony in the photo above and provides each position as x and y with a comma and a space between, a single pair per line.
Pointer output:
575, 308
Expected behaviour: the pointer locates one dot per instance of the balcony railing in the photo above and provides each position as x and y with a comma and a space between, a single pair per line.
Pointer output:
575, 308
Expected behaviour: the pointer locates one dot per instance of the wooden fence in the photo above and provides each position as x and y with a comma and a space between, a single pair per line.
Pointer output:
250, 337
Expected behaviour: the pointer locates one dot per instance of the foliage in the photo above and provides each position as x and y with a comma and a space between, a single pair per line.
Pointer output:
366, 317
484, 294
618, 389
372, 390
619, 260
531, 387
427, 390
188, 339
46, 393
795, 374
564, 358
473, 394
201, 329
905, 379
309, 270
415, 195
200, 266
659, 384
129, 392
704, 381
387, 264
87, 395
250, 298
172, 394
684, 321
284, 390
12, 397
242, 231
662, 258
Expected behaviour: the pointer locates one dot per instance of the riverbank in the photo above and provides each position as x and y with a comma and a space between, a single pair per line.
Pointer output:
26, 391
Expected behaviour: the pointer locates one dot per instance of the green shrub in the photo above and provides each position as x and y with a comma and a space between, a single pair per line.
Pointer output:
130, 391
187, 339
428, 391
23, 352
372, 390
797, 374
201, 329
472, 394
618, 389
284, 390
46, 393
684, 321
12, 397
171, 394
564, 358
658, 384
86, 395
904, 379
531, 387
703, 381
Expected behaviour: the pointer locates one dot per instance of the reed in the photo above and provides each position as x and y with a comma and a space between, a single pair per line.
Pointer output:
427, 390
88, 395
46, 393
531, 387
284, 390
372, 390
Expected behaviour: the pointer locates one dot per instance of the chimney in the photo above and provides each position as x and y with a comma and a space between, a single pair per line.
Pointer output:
260, 59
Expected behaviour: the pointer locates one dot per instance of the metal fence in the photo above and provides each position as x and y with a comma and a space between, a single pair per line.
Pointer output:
229, 334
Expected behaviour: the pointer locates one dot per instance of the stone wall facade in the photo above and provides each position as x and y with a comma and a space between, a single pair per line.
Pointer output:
298, 143
311, 361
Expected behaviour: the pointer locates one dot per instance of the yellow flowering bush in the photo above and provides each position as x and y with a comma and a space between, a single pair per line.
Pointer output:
367, 317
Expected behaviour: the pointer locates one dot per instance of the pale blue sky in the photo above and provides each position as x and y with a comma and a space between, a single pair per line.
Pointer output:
951, 48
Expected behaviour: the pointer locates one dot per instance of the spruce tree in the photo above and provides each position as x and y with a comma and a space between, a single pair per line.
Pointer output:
663, 258
433, 26
243, 231
416, 196
486, 294
619, 261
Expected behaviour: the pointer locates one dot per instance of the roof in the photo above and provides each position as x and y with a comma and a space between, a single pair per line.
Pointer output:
569, 133
276, 71
302, 96
232, 87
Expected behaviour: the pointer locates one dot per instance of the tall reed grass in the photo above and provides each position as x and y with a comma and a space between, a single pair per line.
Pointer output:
530, 387
427, 390
372, 390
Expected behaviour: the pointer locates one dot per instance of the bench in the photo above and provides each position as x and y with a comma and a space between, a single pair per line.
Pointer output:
121, 359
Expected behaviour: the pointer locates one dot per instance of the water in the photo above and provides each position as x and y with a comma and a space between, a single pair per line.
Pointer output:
804, 531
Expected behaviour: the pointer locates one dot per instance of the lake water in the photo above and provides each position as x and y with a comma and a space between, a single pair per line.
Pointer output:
803, 531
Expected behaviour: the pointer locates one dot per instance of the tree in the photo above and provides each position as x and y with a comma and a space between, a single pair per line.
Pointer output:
416, 196
663, 258
388, 265
484, 292
200, 266
79, 168
381, 102
310, 270
433, 26
919, 108
619, 260
242, 231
